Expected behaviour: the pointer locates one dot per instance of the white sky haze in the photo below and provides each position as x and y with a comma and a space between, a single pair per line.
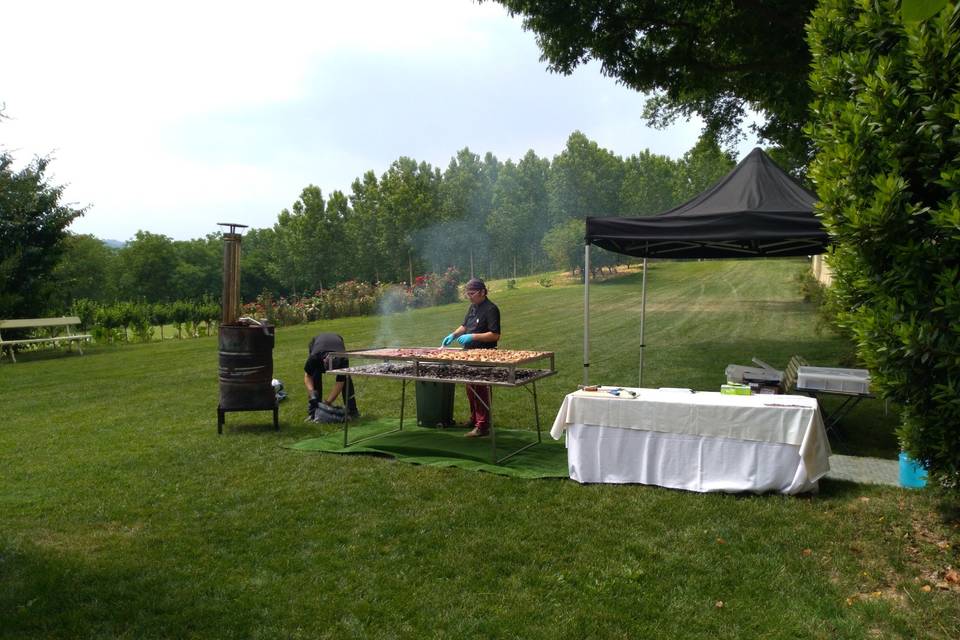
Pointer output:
172, 117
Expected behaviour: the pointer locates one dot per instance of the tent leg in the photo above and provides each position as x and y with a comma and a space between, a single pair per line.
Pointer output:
586, 314
643, 315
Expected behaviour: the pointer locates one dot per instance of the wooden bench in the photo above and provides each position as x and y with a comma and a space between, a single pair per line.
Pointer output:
64, 324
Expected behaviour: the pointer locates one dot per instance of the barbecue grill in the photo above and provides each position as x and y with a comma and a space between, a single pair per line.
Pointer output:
488, 367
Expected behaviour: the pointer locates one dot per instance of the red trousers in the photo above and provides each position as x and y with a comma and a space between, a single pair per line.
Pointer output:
479, 414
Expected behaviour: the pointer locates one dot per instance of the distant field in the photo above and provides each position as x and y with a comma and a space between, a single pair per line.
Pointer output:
124, 515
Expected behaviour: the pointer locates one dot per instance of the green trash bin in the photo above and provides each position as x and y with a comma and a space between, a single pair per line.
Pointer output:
435, 403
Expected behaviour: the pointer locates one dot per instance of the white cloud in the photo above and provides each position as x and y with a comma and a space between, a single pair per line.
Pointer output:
170, 117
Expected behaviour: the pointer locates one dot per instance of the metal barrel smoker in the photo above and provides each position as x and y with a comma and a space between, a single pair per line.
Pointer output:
245, 346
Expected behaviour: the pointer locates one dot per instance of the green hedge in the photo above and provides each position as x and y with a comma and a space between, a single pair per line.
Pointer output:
887, 170
139, 321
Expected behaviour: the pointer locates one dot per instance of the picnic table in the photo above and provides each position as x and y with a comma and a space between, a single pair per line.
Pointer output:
61, 328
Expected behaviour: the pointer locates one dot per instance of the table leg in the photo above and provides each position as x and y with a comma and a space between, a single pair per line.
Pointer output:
403, 399
493, 430
346, 420
536, 412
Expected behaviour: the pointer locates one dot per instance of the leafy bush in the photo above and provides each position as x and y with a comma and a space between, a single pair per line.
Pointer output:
827, 302
108, 323
161, 314
886, 124
511, 284
86, 310
181, 313
208, 312
564, 244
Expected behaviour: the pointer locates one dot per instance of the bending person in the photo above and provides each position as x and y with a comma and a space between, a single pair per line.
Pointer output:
480, 330
320, 407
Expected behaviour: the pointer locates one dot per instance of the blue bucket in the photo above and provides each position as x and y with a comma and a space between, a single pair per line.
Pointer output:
912, 475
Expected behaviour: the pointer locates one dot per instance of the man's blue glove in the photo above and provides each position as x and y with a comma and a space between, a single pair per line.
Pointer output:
465, 339
447, 340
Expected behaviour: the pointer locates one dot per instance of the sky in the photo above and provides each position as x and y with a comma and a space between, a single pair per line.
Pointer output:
171, 117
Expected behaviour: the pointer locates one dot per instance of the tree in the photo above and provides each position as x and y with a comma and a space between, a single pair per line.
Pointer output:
33, 225
466, 193
518, 216
649, 183
409, 202
146, 268
300, 243
712, 58
564, 244
362, 227
887, 133
85, 270
256, 270
338, 254
585, 180
701, 167
199, 267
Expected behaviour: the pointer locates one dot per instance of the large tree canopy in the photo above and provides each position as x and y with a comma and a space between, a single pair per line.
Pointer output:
712, 58
33, 225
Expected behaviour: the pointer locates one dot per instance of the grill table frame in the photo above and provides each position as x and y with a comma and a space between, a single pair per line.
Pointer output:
422, 366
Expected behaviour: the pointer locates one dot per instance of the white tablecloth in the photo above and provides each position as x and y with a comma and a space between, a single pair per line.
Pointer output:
703, 441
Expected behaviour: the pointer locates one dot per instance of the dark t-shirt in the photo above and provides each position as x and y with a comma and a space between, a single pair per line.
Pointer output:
481, 318
320, 346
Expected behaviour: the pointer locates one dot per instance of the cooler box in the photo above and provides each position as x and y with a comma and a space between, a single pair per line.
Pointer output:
853, 381
435, 403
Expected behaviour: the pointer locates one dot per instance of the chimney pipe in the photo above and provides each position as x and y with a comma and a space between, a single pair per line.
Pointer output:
231, 273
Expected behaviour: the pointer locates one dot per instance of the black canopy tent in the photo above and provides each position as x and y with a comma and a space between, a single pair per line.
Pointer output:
757, 210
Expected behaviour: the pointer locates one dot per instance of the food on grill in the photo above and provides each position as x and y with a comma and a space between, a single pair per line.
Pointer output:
488, 356
501, 367
447, 372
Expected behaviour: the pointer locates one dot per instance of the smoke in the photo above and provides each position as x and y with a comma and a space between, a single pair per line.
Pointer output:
451, 244
391, 303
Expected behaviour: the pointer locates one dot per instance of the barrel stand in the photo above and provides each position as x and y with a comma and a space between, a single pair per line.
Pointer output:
221, 418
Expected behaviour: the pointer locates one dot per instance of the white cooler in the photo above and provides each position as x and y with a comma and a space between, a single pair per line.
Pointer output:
834, 380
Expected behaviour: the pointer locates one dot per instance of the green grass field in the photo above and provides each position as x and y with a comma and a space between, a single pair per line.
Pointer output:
124, 515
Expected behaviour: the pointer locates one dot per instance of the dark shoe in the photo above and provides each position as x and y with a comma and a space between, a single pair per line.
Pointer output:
477, 432
354, 415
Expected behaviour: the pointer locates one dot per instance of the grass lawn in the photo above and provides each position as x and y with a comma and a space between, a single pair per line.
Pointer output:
124, 515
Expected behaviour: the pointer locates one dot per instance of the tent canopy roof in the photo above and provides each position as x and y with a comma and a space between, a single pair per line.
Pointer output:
757, 210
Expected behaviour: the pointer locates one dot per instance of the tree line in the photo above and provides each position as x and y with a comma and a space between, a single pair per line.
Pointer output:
480, 216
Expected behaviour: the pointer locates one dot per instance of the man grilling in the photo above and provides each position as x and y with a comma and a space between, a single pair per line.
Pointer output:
480, 330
